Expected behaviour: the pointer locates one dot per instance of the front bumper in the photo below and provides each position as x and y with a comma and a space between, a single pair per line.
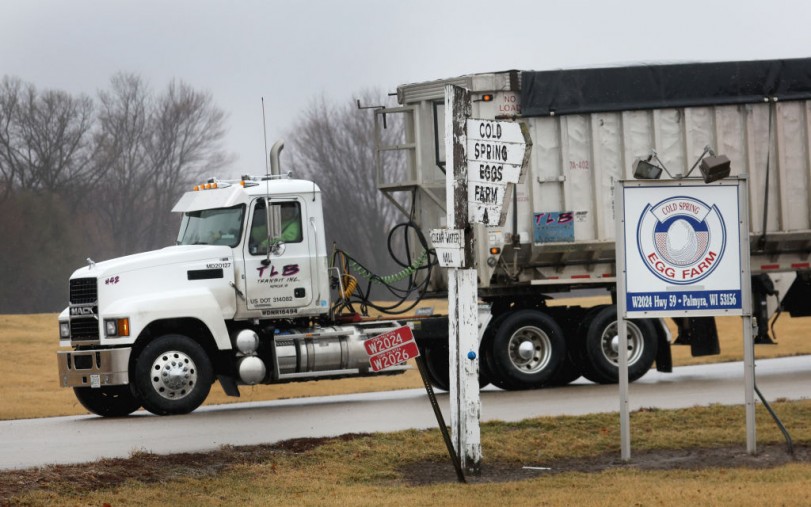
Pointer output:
94, 368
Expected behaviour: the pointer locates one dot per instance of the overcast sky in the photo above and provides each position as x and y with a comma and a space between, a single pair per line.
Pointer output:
290, 52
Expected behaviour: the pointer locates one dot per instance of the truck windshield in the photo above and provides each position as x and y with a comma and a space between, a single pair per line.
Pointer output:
222, 226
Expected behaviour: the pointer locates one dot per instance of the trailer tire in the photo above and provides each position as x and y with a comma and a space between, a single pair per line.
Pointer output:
486, 352
185, 376
566, 373
437, 364
599, 347
526, 350
108, 401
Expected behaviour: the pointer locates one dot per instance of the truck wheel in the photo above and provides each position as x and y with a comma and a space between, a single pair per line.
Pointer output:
567, 373
527, 348
600, 344
108, 401
173, 375
438, 365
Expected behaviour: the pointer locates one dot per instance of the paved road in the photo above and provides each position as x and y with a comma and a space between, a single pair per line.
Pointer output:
79, 439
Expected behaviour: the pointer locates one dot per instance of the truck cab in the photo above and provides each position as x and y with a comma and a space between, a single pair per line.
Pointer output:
274, 229
243, 296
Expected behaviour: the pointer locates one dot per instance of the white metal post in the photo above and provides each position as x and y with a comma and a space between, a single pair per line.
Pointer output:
747, 321
622, 325
462, 291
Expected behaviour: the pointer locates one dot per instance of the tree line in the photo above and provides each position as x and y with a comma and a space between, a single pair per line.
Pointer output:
94, 176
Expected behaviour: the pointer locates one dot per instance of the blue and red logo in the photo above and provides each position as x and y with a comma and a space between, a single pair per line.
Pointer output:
681, 239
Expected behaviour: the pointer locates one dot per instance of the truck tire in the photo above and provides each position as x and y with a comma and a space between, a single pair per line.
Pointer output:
526, 349
599, 355
438, 366
486, 352
108, 401
567, 372
173, 375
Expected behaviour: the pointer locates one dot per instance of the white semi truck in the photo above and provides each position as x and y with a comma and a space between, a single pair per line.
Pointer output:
240, 300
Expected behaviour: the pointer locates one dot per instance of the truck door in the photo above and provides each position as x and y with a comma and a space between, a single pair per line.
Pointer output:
278, 283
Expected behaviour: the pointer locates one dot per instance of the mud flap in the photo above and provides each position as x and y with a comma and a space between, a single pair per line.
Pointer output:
700, 333
664, 358
229, 385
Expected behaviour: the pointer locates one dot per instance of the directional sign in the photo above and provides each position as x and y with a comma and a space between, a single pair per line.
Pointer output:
391, 348
496, 141
449, 246
497, 154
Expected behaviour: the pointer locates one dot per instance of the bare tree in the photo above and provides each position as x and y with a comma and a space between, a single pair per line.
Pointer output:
335, 147
120, 165
148, 150
10, 92
44, 137
187, 132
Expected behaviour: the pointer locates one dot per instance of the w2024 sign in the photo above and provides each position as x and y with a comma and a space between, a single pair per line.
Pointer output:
391, 348
682, 250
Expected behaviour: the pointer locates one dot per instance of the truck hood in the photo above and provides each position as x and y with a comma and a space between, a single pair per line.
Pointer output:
181, 254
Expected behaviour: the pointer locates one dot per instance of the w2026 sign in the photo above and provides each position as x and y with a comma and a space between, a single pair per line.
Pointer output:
682, 249
391, 348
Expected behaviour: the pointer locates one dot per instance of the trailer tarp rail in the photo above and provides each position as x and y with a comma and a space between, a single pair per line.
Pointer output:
557, 92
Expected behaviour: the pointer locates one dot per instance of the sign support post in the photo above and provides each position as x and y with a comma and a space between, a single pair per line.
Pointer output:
462, 291
484, 159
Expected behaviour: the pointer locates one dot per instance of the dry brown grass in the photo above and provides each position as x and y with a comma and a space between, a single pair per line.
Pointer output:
30, 387
706, 465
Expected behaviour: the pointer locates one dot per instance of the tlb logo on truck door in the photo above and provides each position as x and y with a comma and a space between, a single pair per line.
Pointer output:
681, 239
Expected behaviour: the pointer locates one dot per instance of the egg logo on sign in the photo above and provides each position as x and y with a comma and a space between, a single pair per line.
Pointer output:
681, 239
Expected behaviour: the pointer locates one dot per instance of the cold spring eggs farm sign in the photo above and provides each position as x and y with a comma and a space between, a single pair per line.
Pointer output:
682, 249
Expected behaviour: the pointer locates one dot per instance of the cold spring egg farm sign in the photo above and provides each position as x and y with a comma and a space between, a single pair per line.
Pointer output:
682, 248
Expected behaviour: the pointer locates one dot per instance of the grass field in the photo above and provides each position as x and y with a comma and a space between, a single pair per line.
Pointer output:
681, 457
30, 387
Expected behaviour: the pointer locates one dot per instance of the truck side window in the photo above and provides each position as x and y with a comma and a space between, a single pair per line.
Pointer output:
285, 226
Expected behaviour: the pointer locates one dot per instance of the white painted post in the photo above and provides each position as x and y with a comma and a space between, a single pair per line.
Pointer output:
463, 329
746, 319
622, 328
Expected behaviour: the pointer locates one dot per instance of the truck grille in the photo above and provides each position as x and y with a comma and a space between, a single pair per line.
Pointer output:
84, 329
83, 291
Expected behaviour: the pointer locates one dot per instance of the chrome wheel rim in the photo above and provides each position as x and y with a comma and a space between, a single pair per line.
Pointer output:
530, 349
609, 343
174, 375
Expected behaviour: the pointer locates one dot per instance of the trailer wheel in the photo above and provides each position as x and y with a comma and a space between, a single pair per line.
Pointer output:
438, 365
173, 375
601, 341
108, 401
486, 353
567, 372
527, 348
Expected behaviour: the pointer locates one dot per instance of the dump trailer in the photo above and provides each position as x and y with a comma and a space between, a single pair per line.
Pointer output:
588, 127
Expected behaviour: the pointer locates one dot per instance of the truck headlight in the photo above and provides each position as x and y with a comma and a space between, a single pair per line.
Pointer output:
64, 330
117, 327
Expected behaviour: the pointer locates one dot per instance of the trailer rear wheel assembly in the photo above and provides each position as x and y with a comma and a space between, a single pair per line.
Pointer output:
173, 375
108, 401
526, 349
600, 347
